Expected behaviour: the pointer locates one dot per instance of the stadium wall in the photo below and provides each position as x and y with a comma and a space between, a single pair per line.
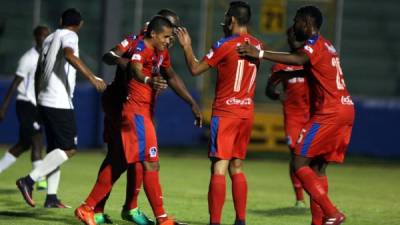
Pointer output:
375, 131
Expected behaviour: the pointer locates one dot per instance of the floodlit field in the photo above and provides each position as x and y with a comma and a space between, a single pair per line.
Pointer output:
366, 190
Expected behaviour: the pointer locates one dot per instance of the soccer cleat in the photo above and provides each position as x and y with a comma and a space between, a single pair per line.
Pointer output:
300, 204
101, 218
239, 222
41, 185
337, 220
136, 216
56, 204
85, 214
26, 191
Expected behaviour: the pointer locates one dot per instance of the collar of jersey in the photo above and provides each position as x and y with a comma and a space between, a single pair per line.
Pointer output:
313, 39
221, 41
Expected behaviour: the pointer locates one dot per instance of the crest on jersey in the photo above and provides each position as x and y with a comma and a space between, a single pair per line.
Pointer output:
210, 54
153, 152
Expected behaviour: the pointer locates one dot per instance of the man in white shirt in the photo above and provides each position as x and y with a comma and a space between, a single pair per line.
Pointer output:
54, 84
30, 132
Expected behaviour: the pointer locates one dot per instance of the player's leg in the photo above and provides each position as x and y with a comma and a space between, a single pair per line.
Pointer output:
239, 190
319, 167
297, 186
60, 130
10, 157
217, 189
36, 157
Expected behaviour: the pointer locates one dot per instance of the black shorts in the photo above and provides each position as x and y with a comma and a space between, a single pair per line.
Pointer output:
29, 123
60, 128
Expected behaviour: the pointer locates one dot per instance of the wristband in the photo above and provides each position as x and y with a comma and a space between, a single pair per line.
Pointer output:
261, 54
146, 80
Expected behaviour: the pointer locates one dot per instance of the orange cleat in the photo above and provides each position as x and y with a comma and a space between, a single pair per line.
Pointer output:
85, 214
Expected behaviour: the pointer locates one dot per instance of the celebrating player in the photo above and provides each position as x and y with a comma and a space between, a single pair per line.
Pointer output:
30, 131
296, 106
54, 85
149, 61
326, 135
232, 113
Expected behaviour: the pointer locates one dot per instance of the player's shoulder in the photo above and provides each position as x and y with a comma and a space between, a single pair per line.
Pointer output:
224, 41
319, 43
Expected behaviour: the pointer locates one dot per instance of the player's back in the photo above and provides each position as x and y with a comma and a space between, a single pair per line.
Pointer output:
236, 79
330, 99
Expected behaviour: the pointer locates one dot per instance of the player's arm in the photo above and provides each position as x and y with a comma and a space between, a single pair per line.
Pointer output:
135, 72
272, 83
195, 66
177, 85
295, 58
97, 82
114, 57
10, 92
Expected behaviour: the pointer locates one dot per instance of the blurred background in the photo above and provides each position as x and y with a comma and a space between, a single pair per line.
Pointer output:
364, 31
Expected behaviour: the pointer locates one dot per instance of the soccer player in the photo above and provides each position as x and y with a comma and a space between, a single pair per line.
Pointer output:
54, 84
149, 61
296, 105
30, 131
112, 100
232, 111
326, 135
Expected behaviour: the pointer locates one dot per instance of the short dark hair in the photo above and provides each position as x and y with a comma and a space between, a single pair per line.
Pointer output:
313, 12
240, 11
157, 24
169, 13
71, 17
39, 30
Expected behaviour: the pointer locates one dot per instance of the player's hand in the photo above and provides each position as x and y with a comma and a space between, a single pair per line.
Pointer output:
198, 116
247, 49
183, 36
158, 83
99, 84
271, 93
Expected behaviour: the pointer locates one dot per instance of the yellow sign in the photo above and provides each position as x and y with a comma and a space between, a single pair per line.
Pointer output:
273, 16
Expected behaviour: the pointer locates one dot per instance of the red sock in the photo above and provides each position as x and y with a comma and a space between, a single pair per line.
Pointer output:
134, 178
316, 190
316, 211
216, 197
99, 208
103, 185
152, 187
239, 193
298, 188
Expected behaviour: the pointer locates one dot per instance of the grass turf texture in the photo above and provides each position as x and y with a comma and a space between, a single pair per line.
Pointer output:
366, 190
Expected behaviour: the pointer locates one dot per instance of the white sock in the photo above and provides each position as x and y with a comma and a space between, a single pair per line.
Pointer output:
49, 163
7, 160
35, 164
53, 179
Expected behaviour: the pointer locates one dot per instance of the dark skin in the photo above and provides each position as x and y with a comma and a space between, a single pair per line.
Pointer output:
36, 141
77, 63
161, 41
304, 27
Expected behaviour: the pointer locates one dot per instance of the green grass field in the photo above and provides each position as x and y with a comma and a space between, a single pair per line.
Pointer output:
366, 190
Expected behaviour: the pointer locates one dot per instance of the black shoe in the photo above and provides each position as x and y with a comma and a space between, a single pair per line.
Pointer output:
26, 191
55, 204
239, 222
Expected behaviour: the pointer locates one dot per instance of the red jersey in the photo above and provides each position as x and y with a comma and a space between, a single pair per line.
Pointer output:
235, 86
331, 102
141, 96
296, 90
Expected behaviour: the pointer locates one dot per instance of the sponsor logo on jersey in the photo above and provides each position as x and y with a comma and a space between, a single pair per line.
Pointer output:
237, 101
153, 152
296, 80
346, 100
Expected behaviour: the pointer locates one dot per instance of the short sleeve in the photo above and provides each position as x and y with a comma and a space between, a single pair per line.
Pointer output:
216, 54
312, 52
138, 57
25, 65
124, 45
70, 40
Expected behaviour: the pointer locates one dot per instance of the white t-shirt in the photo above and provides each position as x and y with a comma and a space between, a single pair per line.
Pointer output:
26, 69
58, 93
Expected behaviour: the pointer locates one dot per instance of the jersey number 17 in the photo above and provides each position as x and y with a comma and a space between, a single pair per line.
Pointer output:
239, 75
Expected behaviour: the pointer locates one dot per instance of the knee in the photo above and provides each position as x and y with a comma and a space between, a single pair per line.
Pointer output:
235, 166
152, 166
